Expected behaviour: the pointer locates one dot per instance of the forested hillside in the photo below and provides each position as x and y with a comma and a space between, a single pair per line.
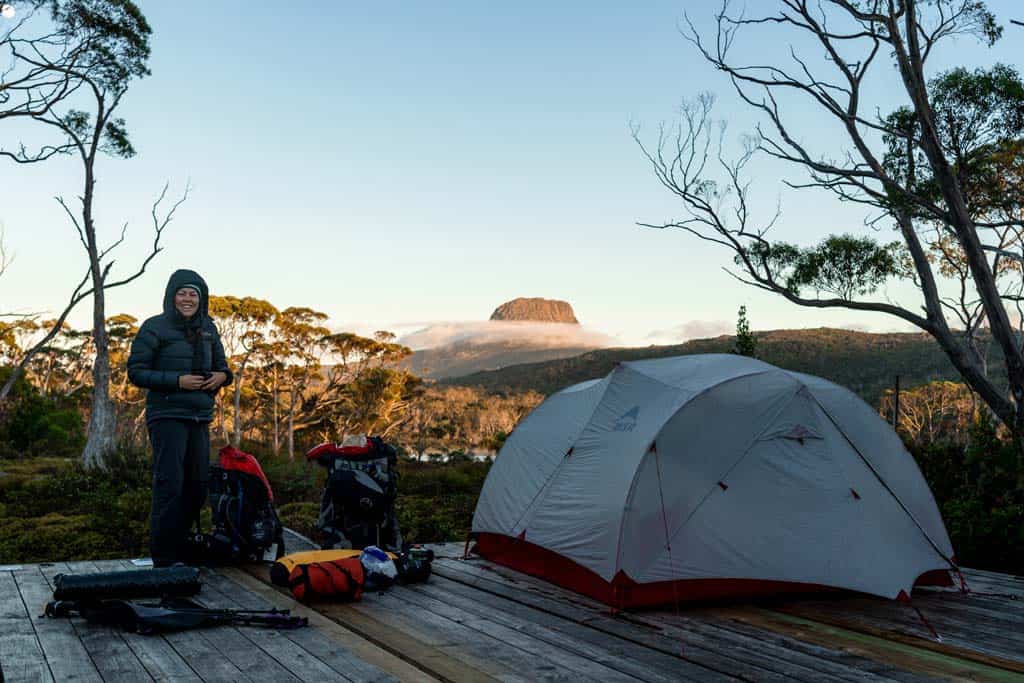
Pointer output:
865, 362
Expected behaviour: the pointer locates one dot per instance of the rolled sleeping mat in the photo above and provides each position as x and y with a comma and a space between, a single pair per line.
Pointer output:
134, 583
282, 569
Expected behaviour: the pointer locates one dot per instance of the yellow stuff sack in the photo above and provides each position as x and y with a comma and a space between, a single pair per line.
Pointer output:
282, 569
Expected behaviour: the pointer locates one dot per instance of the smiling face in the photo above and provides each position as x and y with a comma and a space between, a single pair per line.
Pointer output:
186, 301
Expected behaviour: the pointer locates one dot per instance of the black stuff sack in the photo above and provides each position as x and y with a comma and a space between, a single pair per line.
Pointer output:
134, 583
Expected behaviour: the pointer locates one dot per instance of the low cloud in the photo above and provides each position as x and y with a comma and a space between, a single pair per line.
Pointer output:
553, 335
694, 329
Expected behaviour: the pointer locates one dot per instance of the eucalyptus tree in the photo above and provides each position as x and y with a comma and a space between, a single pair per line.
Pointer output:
69, 65
942, 169
243, 326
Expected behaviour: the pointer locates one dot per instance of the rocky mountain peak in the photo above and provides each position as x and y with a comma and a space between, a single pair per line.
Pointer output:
536, 310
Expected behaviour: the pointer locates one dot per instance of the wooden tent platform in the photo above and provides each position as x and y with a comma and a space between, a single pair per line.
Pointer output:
475, 621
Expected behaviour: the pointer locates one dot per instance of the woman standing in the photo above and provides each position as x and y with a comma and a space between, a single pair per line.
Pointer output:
178, 357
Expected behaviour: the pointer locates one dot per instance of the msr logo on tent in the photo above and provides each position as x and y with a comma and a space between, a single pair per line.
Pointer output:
627, 421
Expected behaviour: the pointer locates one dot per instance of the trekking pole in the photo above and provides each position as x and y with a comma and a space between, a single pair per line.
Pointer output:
273, 619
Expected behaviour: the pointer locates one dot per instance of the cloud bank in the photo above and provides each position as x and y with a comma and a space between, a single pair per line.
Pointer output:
553, 335
694, 329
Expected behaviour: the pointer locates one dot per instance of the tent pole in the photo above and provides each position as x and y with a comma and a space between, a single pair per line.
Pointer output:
668, 540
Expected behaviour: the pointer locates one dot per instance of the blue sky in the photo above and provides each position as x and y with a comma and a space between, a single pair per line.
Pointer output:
398, 163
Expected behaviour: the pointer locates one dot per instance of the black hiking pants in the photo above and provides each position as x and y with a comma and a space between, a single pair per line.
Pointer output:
181, 464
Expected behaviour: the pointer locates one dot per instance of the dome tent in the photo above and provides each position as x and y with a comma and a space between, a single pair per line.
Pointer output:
707, 476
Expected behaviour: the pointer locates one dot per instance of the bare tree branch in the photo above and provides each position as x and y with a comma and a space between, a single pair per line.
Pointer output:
853, 35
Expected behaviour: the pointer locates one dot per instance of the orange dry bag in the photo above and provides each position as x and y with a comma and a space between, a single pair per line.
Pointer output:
337, 579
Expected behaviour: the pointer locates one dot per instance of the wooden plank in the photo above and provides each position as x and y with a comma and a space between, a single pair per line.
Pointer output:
64, 652
924, 661
743, 648
487, 570
424, 645
844, 657
313, 639
433, 661
626, 657
220, 655
156, 654
287, 655
161, 659
106, 646
210, 658
992, 581
510, 635
864, 665
1008, 614
357, 645
20, 652
226, 654
961, 631
458, 639
954, 644
779, 654
631, 658
809, 666
449, 551
215, 663
295, 542
462, 642
994, 585
985, 588
836, 651
988, 572
381, 630
238, 658
247, 647
696, 649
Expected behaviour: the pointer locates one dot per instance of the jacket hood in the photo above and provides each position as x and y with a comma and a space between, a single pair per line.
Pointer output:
179, 279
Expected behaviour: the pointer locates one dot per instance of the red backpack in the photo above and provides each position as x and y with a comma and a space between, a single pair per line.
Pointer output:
338, 579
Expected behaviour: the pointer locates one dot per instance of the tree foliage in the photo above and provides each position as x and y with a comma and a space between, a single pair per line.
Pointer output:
943, 170
746, 342
936, 412
70, 63
845, 266
296, 382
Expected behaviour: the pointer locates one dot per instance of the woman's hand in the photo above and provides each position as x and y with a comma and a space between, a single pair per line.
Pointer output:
214, 381
191, 382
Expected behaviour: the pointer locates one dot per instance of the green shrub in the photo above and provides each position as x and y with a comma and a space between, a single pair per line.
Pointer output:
293, 481
301, 517
427, 520
51, 537
975, 488
35, 425
56, 510
435, 479
986, 537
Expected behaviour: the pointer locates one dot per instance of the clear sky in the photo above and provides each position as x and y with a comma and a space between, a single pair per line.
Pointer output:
398, 163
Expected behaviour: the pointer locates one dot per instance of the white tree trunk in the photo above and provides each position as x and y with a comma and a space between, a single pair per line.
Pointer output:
291, 425
102, 439
236, 432
277, 421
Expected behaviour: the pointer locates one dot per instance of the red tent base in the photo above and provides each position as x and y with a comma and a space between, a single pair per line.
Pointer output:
622, 592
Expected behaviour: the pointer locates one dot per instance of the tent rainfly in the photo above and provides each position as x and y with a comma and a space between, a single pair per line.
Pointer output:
710, 476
